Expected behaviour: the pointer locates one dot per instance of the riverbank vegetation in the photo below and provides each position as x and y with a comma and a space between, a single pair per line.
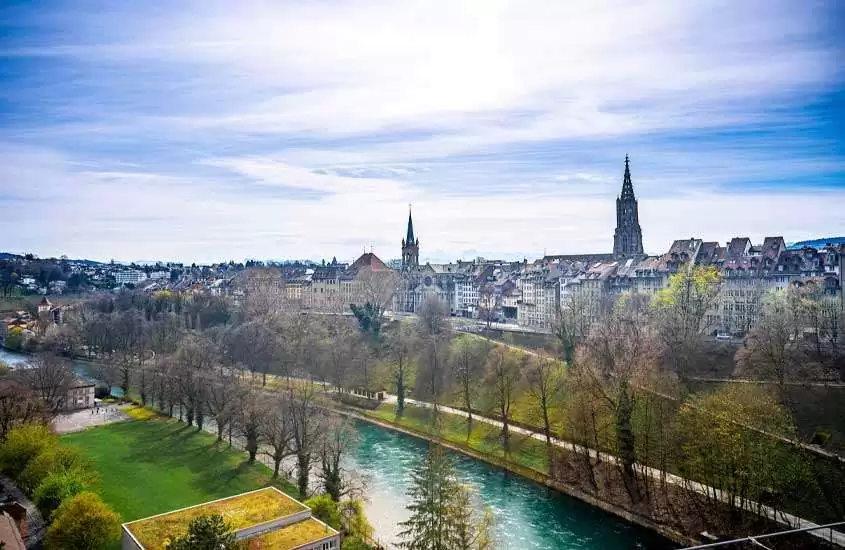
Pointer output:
612, 407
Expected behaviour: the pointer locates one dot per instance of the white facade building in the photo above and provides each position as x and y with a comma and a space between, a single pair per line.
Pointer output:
132, 276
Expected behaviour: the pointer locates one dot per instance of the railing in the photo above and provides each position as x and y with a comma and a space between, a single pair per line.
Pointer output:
833, 537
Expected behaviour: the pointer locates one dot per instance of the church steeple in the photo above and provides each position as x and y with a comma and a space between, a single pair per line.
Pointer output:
410, 246
628, 238
409, 238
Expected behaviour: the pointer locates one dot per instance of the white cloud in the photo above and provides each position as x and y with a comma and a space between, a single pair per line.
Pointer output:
300, 129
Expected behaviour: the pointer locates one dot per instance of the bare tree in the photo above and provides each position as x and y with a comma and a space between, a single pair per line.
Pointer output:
545, 383
377, 287
468, 356
222, 399
617, 357
433, 326
338, 438
277, 430
195, 362
488, 304
51, 377
576, 314
249, 421
505, 375
400, 348
305, 428
255, 344
768, 349
19, 404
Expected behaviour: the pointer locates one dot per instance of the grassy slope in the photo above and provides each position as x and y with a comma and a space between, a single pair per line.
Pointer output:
482, 438
154, 466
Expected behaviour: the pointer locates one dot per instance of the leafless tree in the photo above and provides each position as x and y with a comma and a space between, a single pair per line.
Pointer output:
249, 420
195, 363
338, 438
769, 348
377, 287
305, 427
19, 404
545, 383
400, 348
255, 344
51, 377
576, 314
505, 375
616, 358
222, 399
468, 357
277, 429
434, 328
487, 304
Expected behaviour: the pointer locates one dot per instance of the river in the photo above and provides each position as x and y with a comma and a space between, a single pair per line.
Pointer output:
528, 515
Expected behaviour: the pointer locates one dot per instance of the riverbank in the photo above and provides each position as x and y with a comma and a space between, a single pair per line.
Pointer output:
522, 470
673, 507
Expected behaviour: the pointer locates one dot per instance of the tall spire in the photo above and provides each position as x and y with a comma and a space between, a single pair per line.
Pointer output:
409, 238
627, 186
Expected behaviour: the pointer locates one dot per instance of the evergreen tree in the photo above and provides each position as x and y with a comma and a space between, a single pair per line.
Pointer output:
442, 515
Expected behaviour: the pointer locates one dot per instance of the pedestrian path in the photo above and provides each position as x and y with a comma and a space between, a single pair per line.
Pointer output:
782, 518
96, 416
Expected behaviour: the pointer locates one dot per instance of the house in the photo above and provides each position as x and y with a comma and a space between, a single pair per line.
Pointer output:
80, 395
266, 518
44, 305
13, 527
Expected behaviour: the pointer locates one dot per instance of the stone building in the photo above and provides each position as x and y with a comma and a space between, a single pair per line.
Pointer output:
628, 238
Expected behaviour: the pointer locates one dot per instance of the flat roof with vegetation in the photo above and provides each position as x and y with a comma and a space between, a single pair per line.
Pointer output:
240, 512
292, 536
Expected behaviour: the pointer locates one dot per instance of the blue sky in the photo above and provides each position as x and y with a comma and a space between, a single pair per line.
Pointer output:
206, 131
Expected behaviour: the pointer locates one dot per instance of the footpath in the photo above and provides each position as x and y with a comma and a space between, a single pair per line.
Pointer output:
782, 518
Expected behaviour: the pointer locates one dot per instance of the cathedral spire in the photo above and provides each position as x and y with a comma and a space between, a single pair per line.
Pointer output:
628, 237
409, 238
627, 186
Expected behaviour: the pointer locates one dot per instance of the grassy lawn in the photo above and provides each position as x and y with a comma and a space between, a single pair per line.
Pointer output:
151, 466
482, 438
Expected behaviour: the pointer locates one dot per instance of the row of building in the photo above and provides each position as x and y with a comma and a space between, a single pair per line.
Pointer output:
530, 294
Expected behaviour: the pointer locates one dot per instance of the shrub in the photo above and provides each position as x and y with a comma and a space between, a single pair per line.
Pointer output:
23, 443
207, 532
325, 509
141, 413
55, 459
56, 488
83, 522
347, 516
101, 392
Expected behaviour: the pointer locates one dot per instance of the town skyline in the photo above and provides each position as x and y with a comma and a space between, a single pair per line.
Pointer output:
305, 130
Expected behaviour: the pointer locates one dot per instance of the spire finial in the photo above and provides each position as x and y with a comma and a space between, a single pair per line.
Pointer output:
627, 186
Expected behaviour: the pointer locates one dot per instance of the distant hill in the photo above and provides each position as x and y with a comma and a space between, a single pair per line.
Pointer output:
10, 256
818, 243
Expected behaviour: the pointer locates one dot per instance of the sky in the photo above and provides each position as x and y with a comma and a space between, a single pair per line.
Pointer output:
208, 131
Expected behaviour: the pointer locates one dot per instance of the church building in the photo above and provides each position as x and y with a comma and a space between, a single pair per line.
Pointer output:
628, 238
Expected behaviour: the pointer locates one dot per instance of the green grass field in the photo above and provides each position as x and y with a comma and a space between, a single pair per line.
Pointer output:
147, 467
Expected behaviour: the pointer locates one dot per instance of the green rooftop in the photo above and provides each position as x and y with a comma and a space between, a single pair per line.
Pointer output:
287, 538
240, 511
